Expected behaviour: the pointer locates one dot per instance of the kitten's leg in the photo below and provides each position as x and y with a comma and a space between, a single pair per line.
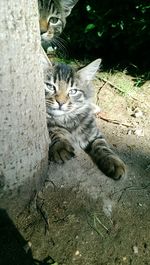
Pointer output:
60, 148
107, 161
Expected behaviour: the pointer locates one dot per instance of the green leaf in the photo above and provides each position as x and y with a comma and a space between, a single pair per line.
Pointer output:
89, 27
122, 25
99, 33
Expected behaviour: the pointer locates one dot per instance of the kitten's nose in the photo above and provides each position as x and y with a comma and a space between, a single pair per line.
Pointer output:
60, 103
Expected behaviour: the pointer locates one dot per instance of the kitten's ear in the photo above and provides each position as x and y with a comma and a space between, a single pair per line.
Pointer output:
88, 72
67, 6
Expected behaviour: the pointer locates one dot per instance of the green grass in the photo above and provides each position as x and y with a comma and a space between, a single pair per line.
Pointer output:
120, 81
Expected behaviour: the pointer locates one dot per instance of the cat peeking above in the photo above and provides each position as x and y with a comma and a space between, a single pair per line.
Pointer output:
52, 19
71, 120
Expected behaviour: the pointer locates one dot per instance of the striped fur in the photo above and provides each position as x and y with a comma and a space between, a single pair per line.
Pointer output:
71, 120
52, 19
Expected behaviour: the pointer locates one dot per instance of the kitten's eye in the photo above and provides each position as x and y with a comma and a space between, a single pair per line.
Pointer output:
73, 91
54, 20
51, 87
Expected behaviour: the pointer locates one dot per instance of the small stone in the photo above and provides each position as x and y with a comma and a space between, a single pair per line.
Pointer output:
135, 250
129, 132
77, 253
137, 113
139, 132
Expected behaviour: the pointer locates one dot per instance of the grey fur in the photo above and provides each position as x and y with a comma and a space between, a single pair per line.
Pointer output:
71, 120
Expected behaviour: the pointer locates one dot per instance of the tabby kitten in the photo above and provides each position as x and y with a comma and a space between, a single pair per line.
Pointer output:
52, 18
71, 118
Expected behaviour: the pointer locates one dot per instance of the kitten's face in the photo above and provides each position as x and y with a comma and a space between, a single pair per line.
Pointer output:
52, 18
66, 90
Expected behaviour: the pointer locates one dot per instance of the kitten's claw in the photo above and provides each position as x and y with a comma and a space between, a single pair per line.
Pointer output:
113, 167
61, 151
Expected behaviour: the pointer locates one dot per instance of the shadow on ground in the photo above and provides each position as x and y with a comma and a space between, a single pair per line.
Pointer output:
12, 244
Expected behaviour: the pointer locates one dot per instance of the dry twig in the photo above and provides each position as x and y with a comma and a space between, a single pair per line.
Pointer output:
110, 83
106, 81
99, 115
131, 188
42, 212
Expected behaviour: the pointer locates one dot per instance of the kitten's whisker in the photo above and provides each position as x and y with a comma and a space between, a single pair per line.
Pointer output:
61, 46
65, 35
61, 40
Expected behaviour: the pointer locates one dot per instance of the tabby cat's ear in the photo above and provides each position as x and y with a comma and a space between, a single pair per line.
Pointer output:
67, 6
88, 72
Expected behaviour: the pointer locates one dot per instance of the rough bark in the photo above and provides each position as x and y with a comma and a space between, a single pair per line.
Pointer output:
23, 133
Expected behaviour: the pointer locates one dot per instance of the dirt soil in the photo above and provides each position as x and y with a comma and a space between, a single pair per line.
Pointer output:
86, 218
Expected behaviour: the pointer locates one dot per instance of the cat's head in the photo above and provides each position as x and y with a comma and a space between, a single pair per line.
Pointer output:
67, 90
52, 18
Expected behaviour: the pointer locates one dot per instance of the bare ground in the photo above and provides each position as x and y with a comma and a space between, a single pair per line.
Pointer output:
86, 218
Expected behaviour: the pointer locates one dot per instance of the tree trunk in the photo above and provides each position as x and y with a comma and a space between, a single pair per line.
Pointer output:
23, 130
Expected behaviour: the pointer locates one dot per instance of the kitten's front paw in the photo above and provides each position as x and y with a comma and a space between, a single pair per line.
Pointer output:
60, 151
113, 167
